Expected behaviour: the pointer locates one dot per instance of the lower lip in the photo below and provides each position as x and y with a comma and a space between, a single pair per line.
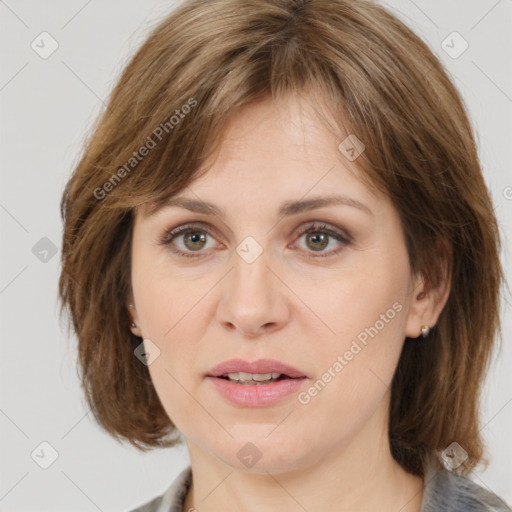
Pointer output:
256, 395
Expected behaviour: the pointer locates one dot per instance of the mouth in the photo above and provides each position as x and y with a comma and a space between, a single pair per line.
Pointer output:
261, 371
261, 383
254, 379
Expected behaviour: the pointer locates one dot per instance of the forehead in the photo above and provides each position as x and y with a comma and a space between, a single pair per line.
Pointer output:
277, 151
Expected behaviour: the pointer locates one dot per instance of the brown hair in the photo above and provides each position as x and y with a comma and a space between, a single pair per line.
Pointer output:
175, 97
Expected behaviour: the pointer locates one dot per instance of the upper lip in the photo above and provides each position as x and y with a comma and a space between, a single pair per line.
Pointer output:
258, 366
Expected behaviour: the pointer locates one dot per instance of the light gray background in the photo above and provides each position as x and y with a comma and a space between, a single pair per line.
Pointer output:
47, 106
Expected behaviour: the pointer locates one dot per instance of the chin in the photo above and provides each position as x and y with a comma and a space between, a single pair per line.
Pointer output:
254, 451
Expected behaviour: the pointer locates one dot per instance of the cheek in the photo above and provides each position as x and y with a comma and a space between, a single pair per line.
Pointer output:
366, 301
366, 311
355, 367
169, 309
163, 296
172, 373
175, 394
170, 316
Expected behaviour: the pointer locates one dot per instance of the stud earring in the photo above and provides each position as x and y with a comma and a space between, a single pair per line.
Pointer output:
133, 325
425, 330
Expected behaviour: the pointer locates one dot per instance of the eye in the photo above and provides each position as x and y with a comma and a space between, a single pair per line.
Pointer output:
190, 239
319, 235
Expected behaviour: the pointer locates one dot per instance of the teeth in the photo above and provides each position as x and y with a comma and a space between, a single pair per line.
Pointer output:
248, 377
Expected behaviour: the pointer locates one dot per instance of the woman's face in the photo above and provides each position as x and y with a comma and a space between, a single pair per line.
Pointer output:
325, 289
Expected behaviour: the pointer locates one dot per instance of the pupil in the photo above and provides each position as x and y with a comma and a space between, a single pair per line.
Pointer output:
195, 238
318, 237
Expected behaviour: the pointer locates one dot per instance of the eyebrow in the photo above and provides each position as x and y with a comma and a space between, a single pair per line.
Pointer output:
288, 208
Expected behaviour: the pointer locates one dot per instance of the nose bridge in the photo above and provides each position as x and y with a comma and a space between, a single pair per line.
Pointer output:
251, 299
251, 275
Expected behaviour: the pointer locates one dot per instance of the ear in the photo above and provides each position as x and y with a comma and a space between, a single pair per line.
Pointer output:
132, 312
429, 299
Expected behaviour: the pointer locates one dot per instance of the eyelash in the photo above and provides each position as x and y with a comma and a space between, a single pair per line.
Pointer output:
168, 237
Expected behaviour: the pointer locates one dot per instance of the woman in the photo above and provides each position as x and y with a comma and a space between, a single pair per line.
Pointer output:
278, 244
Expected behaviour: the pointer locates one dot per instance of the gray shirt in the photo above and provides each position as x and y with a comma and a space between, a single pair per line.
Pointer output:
443, 492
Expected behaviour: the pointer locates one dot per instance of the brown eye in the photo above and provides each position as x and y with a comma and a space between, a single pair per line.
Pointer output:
319, 236
187, 240
317, 241
194, 240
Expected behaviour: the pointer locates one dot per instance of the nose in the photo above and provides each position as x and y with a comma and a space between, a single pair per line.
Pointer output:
253, 299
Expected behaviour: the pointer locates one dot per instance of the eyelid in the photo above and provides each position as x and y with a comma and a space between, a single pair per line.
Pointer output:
323, 226
169, 233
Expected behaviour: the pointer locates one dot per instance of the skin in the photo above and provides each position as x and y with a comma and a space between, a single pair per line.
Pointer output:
290, 304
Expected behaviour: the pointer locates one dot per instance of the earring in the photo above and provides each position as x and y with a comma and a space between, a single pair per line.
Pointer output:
425, 330
133, 325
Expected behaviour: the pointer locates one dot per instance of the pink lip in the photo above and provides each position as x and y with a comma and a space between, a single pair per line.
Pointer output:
257, 395
258, 366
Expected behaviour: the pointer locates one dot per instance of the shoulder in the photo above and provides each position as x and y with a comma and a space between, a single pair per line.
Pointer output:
445, 491
172, 498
